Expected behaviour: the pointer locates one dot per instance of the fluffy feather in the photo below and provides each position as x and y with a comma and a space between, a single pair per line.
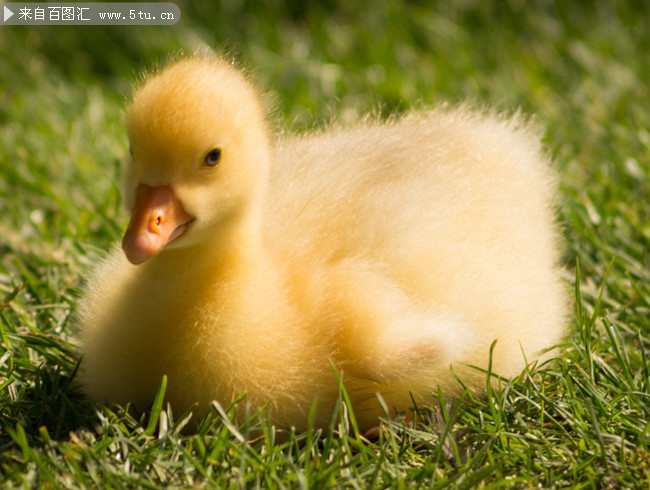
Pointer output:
398, 250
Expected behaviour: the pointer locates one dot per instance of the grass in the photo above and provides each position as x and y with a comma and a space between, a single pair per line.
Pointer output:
581, 67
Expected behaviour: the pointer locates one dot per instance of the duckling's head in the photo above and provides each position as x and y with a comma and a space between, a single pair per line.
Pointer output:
199, 156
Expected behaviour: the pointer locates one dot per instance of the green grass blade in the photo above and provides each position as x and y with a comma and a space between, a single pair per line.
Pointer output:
156, 408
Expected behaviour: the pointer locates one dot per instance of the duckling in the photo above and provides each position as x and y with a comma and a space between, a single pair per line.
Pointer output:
396, 251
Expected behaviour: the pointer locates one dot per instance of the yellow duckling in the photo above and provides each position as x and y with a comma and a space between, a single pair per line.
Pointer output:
398, 251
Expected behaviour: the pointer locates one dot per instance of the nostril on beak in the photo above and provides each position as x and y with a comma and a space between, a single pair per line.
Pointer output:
155, 223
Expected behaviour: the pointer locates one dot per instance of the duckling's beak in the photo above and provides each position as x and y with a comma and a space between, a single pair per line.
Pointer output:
158, 218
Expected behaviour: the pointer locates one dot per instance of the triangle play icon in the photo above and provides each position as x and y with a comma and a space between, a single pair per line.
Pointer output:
8, 14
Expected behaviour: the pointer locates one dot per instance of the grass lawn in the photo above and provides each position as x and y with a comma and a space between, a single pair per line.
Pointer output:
581, 67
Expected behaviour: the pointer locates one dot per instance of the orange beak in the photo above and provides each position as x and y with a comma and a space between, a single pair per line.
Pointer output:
158, 218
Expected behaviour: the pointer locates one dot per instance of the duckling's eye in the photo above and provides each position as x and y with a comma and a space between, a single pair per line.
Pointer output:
213, 157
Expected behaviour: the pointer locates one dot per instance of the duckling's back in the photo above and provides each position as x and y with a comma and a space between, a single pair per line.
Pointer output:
453, 208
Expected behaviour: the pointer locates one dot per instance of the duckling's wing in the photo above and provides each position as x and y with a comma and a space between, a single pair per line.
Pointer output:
455, 208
